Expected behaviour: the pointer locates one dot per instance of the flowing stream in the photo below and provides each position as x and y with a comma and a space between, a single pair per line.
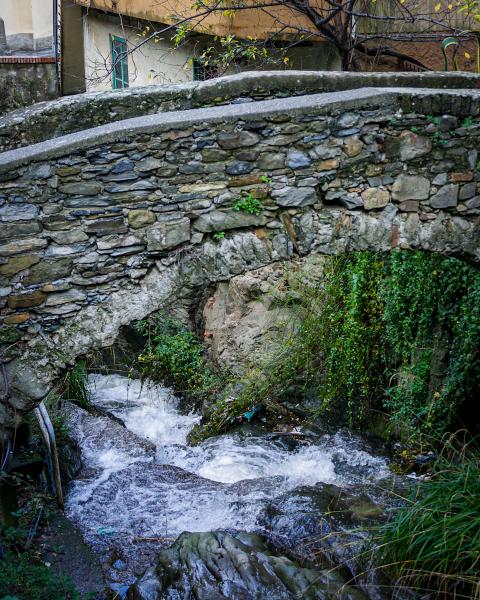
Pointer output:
141, 485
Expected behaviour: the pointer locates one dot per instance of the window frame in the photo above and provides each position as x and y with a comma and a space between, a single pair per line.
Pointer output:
119, 83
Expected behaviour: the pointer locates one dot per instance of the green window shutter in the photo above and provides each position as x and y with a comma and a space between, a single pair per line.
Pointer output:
118, 48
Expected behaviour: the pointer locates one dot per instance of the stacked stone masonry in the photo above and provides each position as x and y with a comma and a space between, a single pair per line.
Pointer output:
102, 228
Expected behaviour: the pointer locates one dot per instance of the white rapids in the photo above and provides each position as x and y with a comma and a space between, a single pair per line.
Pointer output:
141, 481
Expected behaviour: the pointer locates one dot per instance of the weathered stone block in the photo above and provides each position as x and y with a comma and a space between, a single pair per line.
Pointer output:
298, 160
413, 145
229, 141
219, 220
292, 196
49, 270
409, 206
271, 161
18, 263
72, 236
446, 197
139, 218
26, 300
65, 297
410, 187
239, 168
374, 198
22, 245
18, 212
353, 146
19, 229
168, 234
81, 188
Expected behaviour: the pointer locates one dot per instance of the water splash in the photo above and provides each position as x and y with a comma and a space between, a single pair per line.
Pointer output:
143, 481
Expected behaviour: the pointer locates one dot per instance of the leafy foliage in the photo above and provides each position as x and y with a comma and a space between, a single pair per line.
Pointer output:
432, 542
174, 355
394, 332
25, 578
249, 204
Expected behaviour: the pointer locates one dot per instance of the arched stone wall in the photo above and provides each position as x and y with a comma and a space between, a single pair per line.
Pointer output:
105, 226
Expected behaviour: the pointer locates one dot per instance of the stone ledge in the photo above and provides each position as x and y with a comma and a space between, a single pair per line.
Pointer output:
69, 114
314, 104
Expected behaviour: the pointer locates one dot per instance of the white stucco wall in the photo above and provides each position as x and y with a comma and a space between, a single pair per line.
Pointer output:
28, 24
156, 63
150, 64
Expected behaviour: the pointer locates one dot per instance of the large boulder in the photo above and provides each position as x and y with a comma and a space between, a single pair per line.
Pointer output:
219, 565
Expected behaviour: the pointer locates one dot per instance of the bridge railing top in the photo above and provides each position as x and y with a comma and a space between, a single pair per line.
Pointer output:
427, 101
70, 114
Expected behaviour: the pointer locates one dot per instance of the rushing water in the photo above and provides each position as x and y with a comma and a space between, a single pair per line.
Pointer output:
141, 484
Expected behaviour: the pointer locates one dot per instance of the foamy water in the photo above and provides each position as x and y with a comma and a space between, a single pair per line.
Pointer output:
143, 480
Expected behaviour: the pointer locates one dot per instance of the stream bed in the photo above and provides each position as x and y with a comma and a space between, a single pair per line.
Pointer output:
141, 485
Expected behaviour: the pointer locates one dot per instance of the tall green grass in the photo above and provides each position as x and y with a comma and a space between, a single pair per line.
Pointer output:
433, 541
76, 385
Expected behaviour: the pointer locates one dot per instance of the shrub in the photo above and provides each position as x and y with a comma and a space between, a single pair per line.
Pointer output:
175, 356
396, 333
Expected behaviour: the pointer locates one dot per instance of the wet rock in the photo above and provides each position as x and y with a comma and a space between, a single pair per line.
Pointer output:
314, 524
221, 566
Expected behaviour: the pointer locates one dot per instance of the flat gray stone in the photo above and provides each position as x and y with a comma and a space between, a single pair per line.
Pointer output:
219, 220
410, 187
446, 197
292, 196
167, 234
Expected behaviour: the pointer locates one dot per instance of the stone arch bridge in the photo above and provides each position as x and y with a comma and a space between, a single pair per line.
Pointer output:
102, 226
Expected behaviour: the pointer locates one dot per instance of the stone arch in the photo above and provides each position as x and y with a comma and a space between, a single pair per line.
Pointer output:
110, 224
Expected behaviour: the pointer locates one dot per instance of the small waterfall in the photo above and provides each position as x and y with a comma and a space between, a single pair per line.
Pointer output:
142, 485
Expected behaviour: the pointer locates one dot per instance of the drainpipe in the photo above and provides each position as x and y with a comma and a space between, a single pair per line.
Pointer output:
56, 43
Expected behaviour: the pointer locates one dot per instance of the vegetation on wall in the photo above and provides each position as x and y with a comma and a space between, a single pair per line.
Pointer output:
174, 355
397, 333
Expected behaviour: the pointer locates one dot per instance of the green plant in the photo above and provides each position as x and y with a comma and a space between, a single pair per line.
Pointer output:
432, 542
76, 385
174, 355
249, 204
397, 333
219, 235
434, 120
414, 129
24, 577
468, 121
265, 179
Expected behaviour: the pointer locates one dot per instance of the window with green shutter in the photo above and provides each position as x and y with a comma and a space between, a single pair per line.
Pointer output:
119, 62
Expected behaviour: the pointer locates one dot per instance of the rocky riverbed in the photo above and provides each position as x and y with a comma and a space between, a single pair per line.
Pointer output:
245, 515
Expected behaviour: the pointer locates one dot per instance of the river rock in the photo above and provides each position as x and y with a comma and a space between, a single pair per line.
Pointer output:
218, 565
328, 523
